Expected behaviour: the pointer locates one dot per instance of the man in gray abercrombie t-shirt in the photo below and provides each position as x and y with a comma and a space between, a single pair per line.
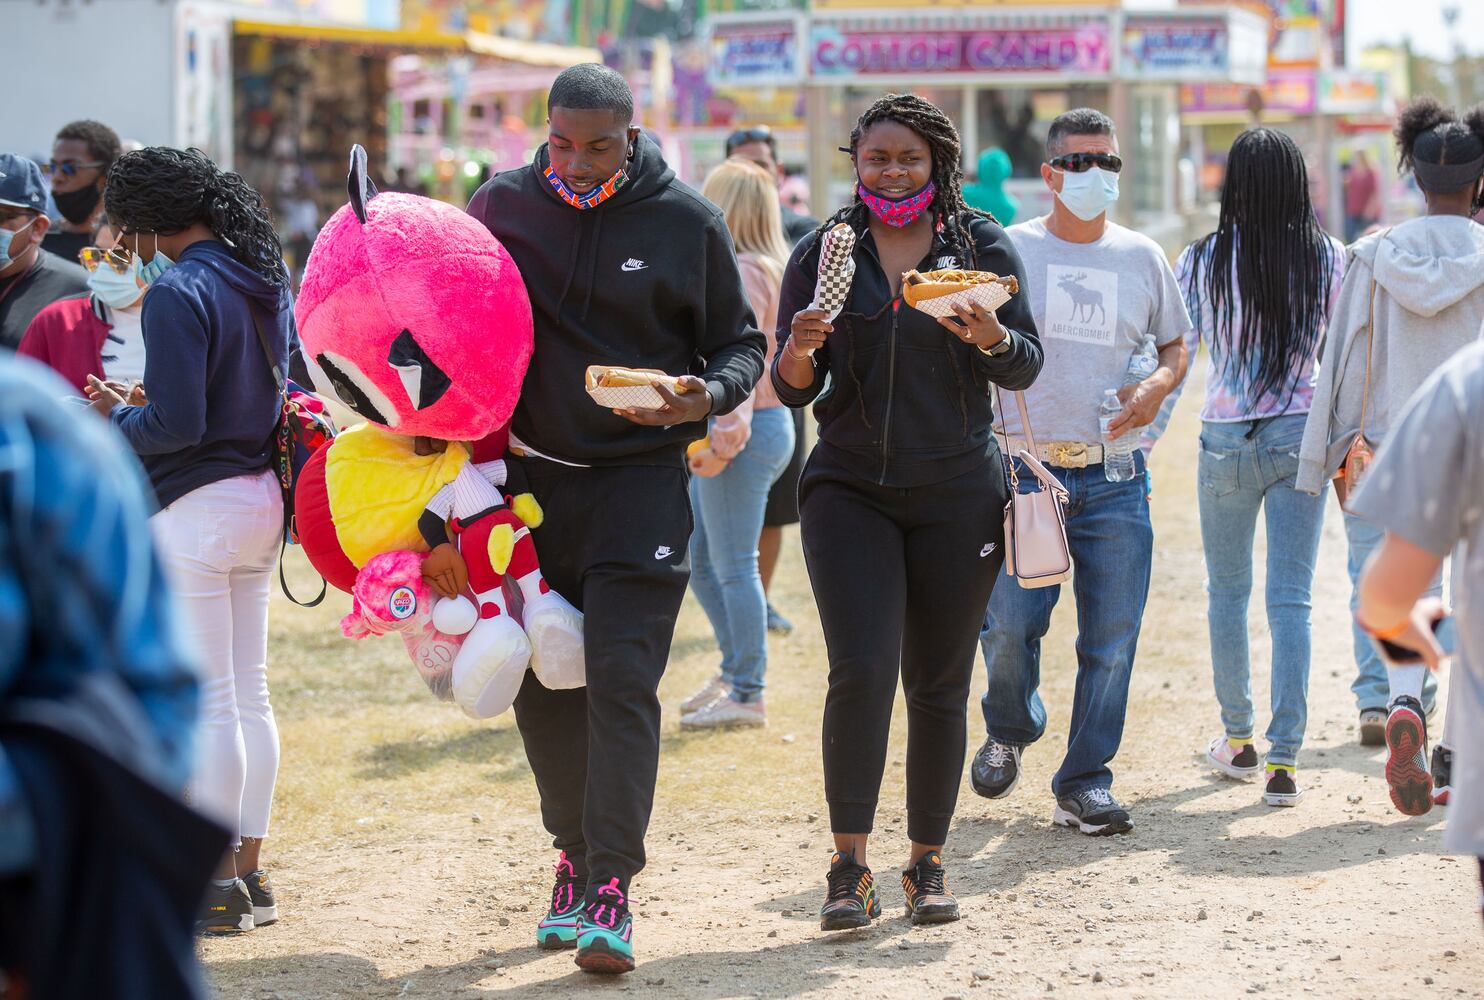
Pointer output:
1097, 290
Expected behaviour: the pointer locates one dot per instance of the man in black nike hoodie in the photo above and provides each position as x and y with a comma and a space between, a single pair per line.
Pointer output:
624, 265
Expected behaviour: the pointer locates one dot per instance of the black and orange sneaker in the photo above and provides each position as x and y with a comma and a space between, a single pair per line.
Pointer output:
264, 904
227, 909
851, 901
929, 900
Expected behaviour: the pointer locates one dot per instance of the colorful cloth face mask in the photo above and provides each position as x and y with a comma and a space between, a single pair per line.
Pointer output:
593, 198
898, 212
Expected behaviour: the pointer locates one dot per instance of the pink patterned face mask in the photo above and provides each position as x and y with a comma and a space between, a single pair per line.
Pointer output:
898, 212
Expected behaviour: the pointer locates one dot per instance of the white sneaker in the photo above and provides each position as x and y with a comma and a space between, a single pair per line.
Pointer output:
713, 689
490, 667
1242, 764
555, 631
726, 713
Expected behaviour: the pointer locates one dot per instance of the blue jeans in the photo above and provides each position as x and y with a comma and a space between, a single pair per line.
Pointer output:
1112, 545
1372, 688
1243, 467
723, 549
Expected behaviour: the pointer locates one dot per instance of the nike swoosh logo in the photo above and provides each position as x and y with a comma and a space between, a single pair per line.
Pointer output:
633, 265
663, 551
984, 552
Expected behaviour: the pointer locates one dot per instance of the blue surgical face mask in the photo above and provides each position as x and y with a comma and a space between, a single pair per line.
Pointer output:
7, 238
114, 290
1089, 194
157, 266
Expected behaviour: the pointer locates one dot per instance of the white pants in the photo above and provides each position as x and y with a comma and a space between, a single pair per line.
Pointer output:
219, 544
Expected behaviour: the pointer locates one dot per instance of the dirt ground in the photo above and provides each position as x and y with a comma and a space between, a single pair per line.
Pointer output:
410, 860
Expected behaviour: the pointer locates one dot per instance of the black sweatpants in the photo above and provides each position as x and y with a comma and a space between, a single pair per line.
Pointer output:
614, 543
901, 578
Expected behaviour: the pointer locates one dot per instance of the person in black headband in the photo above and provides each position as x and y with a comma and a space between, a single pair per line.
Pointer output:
1445, 153
1412, 296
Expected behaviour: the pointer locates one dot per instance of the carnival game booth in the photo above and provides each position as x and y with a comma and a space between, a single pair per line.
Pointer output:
302, 95
445, 107
455, 118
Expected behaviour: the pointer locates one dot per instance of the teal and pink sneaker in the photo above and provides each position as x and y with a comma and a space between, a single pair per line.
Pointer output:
558, 929
605, 933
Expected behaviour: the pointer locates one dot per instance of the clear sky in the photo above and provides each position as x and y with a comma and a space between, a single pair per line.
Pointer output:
1377, 21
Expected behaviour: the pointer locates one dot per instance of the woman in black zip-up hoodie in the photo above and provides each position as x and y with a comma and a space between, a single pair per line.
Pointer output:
902, 501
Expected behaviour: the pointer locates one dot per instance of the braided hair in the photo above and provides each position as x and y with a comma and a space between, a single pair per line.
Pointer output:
1269, 257
950, 210
163, 190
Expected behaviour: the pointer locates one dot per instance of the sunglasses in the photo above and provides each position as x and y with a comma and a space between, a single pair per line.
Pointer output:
68, 168
119, 259
1078, 163
759, 134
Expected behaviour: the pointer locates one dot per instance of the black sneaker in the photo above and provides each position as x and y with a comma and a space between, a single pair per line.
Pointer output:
929, 900
1093, 811
264, 906
225, 910
1442, 774
1282, 788
558, 929
605, 932
996, 769
851, 900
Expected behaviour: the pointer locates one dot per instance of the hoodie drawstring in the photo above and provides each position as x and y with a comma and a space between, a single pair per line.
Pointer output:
571, 267
592, 264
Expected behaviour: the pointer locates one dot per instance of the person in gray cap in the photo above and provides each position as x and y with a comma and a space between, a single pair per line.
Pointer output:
30, 278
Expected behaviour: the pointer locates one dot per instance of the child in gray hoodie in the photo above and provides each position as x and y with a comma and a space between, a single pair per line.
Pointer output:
1413, 295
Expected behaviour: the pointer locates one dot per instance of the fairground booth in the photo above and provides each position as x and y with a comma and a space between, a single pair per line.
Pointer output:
1002, 71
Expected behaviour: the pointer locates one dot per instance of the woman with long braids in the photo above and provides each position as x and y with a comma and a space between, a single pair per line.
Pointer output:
201, 240
902, 500
1259, 291
1413, 296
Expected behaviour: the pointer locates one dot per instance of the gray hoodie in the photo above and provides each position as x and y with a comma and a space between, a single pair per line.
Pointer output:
1429, 281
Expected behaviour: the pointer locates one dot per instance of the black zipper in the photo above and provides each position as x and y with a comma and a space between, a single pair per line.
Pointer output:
891, 384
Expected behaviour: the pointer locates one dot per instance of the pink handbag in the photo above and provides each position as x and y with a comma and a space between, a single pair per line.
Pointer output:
1036, 550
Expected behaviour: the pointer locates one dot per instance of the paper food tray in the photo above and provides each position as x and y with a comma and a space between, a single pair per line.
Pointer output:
640, 397
990, 295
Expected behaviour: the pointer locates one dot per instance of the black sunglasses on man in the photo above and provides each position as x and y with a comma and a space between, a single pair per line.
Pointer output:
1078, 163
759, 133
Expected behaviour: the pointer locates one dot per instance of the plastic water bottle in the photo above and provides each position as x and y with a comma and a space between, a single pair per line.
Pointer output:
1118, 455
1143, 363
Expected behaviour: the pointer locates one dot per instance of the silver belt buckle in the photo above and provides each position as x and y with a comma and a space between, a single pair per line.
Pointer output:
1067, 454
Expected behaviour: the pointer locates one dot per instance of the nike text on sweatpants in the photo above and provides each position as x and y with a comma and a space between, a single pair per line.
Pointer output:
615, 545
902, 578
